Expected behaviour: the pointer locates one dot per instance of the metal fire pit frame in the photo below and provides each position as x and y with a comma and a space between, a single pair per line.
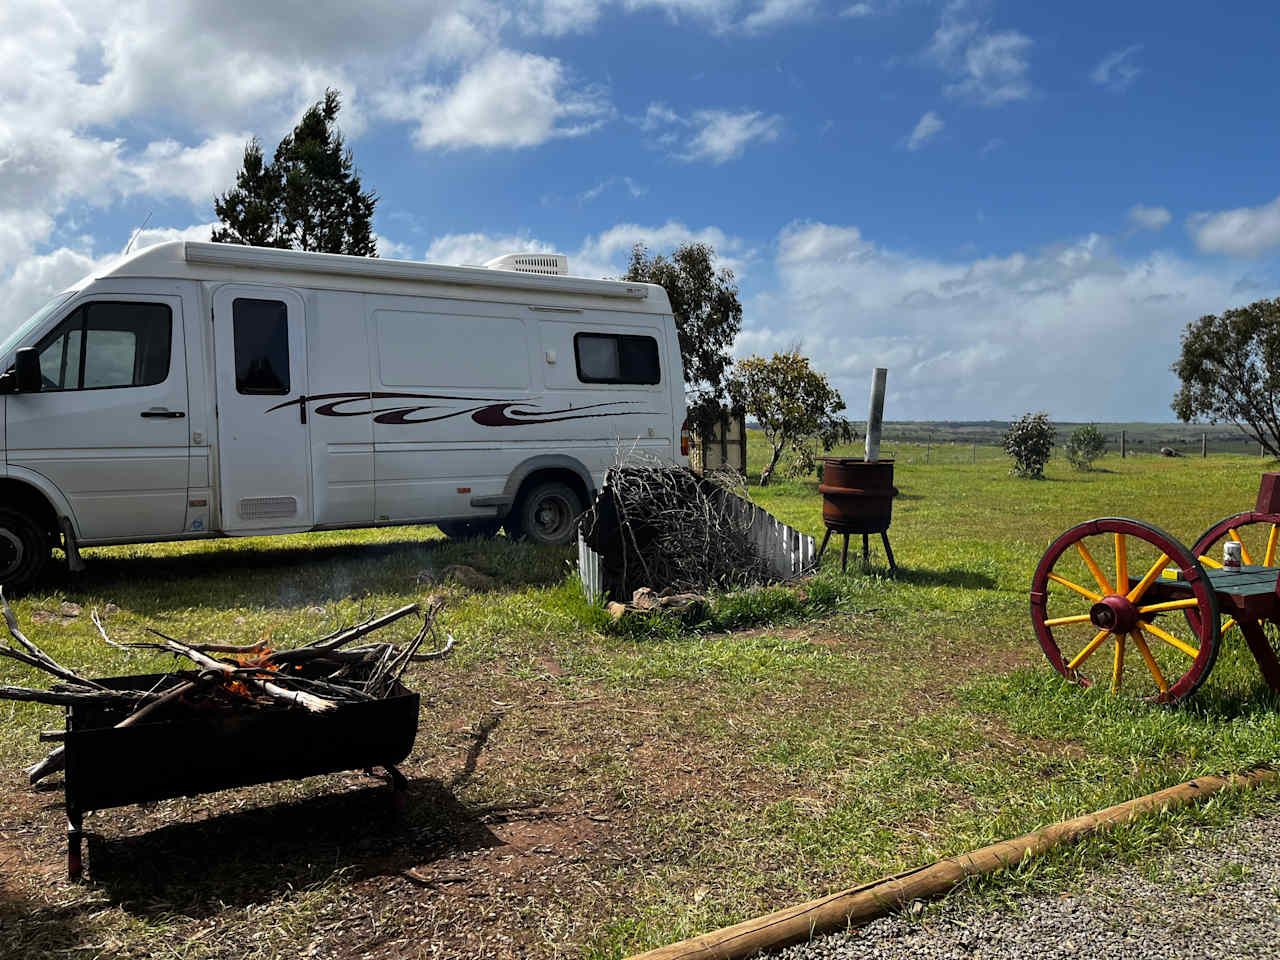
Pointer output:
109, 766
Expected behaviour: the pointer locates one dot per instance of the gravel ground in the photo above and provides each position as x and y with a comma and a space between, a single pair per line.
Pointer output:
1221, 901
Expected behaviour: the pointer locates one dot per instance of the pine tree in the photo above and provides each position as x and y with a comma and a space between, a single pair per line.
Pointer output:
309, 197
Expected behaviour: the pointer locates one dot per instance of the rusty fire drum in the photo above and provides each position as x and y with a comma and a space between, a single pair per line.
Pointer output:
857, 497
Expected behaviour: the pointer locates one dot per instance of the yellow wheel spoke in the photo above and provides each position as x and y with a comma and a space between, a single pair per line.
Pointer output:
1270, 559
1096, 570
1171, 605
1122, 563
1244, 551
1075, 586
1062, 621
1210, 562
1171, 640
1143, 649
1136, 593
1230, 622
1117, 669
1084, 654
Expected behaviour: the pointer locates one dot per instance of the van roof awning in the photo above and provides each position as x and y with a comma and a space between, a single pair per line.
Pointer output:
268, 258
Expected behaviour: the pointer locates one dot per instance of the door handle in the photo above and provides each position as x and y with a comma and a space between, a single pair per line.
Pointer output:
159, 413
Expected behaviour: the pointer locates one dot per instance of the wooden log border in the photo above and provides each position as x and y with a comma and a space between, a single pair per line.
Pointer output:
849, 908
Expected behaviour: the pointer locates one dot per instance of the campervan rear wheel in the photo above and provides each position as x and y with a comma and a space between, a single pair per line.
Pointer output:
466, 529
546, 514
24, 550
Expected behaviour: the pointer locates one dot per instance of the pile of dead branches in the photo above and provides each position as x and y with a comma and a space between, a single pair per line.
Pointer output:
318, 676
669, 529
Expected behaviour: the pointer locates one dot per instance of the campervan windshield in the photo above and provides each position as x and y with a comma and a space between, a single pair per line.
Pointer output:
37, 318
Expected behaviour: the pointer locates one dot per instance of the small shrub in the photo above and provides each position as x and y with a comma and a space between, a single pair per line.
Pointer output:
1086, 445
801, 461
1029, 442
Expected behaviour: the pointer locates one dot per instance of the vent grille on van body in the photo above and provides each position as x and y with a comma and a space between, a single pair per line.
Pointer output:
547, 264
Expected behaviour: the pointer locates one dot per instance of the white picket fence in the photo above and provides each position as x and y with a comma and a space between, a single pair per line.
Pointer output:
788, 553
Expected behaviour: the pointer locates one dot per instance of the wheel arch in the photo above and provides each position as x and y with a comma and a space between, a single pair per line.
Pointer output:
550, 468
33, 493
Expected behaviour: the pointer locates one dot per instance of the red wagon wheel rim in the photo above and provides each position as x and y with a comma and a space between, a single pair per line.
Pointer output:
1111, 607
1262, 550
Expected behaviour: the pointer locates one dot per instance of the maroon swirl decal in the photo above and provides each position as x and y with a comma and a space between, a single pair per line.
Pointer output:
516, 414
492, 413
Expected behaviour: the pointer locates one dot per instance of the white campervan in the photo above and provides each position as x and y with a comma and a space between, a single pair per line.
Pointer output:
200, 389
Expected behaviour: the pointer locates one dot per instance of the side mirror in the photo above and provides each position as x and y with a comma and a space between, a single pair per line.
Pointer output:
26, 365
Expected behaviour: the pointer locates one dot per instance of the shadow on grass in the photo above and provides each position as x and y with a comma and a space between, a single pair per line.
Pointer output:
252, 856
951, 577
304, 572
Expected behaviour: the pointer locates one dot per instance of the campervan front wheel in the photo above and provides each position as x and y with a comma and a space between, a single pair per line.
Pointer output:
546, 514
24, 550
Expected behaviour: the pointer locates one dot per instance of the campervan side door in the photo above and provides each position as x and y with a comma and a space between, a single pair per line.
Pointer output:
264, 450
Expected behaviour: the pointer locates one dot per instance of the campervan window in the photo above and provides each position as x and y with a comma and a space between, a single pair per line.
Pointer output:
451, 350
108, 345
615, 358
262, 346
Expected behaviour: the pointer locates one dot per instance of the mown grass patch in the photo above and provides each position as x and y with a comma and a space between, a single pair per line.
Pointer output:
603, 788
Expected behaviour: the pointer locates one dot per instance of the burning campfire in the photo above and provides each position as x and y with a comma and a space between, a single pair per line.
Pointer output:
338, 703
317, 676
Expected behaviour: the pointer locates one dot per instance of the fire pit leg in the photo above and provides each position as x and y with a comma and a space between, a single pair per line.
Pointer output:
844, 554
866, 551
75, 837
399, 791
893, 567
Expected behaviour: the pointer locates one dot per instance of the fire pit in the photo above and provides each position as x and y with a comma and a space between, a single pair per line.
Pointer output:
857, 497
251, 714
113, 766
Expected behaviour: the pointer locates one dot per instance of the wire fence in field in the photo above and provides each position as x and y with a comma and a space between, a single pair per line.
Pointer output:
950, 451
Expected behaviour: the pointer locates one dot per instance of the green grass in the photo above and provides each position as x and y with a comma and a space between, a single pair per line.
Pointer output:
800, 739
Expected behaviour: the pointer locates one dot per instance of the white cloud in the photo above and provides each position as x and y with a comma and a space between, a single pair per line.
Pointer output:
474, 249
721, 135
594, 193
166, 168
926, 128
658, 115
770, 13
558, 17
857, 10
990, 69
716, 136
600, 255
1243, 232
1117, 70
966, 339
1149, 218
507, 99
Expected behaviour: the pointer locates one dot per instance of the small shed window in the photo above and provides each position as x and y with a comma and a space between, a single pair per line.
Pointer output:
617, 358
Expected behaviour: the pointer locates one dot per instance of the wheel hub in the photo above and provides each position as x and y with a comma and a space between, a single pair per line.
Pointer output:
10, 553
1115, 613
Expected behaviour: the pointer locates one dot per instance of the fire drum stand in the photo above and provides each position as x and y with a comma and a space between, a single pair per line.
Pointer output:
857, 495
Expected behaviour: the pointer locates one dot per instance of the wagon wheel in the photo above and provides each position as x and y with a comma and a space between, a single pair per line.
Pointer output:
1103, 584
1258, 535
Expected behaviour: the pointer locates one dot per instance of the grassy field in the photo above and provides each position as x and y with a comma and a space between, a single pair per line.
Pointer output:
583, 790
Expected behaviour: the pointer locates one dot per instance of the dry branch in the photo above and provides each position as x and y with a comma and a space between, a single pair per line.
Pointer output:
353, 675
669, 529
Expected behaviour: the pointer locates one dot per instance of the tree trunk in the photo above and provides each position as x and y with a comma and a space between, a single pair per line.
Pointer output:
767, 474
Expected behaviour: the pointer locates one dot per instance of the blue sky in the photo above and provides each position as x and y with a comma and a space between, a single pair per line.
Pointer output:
1012, 206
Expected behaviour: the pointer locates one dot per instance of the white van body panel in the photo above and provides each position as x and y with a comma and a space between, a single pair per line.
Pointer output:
414, 393
113, 452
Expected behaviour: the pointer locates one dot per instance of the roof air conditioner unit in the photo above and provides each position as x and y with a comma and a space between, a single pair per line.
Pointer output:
548, 264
